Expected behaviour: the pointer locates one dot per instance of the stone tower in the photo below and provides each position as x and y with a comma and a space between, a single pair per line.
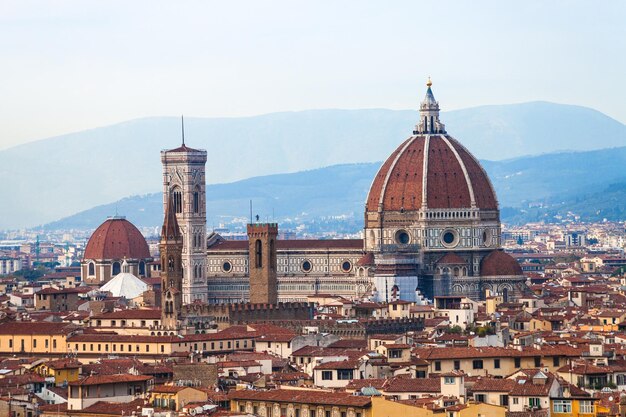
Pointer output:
262, 262
171, 250
184, 185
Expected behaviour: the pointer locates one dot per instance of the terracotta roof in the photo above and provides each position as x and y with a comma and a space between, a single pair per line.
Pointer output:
117, 238
37, 328
63, 364
302, 397
432, 385
366, 260
168, 388
113, 409
493, 385
349, 344
525, 386
345, 364
77, 290
110, 379
499, 263
451, 258
400, 182
184, 148
585, 368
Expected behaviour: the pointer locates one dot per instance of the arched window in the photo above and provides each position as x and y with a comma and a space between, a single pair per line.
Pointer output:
258, 254
177, 196
170, 264
505, 295
196, 201
142, 268
92, 269
116, 268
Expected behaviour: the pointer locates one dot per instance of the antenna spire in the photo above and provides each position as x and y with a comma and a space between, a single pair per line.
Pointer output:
182, 126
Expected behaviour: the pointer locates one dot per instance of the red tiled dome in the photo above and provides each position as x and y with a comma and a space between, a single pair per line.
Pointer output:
499, 263
117, 238
435, 169
451, 258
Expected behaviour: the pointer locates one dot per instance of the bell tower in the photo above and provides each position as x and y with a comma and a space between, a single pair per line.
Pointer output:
262, 263
184, 185
171, 250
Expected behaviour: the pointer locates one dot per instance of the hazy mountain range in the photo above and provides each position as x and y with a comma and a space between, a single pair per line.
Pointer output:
56, 177
590, 184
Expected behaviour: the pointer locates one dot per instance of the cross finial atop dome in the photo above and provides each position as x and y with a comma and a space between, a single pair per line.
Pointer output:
429, 114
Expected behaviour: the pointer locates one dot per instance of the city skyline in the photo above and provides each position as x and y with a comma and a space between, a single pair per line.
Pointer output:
82, 65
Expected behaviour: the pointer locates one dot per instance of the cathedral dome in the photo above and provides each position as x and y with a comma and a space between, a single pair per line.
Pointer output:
499, 263
117, 238
430, 170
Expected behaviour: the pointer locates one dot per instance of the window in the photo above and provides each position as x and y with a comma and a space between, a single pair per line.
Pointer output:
402, 237
534, 402
327, 375
178, 201
481, 398
496, 363
561, 406
585, 407
116, 268
504, 400
457, 365
515, 400
518, 362
345, 374
258, 254
395, 353
555, 361
449, 380
196, 201
92, 269
477, 364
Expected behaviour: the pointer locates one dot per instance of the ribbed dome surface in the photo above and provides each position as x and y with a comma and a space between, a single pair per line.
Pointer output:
431, 170
117, 238
499, 263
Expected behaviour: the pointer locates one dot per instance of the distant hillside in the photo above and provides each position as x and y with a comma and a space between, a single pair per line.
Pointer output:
561, 182
56, 177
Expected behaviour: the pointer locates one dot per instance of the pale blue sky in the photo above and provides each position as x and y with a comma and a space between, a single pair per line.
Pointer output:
73, 65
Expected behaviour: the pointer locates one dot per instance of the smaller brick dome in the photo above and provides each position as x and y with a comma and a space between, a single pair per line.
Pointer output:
117, 238
499, 263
